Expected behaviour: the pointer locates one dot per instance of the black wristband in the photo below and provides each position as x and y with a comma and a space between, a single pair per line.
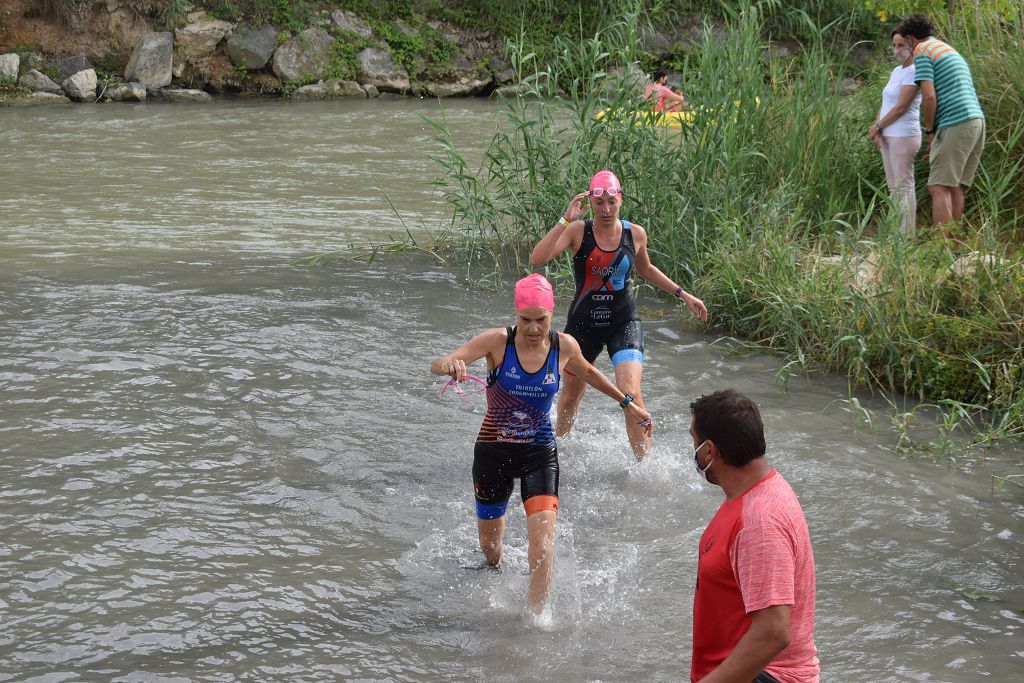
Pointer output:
626, 401
678, 293
930, 132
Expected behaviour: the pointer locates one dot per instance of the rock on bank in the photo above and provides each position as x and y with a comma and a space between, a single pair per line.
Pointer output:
114, 51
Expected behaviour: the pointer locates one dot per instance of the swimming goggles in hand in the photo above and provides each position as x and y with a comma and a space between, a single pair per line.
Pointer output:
457, 386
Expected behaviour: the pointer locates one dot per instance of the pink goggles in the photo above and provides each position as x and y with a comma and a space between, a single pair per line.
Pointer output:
462, 392
610, 191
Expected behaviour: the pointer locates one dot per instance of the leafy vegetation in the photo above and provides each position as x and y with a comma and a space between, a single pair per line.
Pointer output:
771, 206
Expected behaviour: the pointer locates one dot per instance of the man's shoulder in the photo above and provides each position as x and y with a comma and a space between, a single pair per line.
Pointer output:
772, 501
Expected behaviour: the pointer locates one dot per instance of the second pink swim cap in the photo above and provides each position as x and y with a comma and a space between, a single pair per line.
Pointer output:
534, 291
604, 180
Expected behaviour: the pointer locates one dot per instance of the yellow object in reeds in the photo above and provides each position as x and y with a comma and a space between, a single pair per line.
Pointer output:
672, 119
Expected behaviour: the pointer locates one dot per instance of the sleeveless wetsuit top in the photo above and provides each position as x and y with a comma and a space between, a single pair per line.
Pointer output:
604, 282
519, 402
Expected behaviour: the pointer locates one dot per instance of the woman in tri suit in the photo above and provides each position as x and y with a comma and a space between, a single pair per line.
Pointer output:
606, 252
525, 364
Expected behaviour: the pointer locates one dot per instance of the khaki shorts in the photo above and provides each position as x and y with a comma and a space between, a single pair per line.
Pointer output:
955, 153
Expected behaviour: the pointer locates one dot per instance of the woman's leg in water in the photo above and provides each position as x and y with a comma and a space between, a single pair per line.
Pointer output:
492, 535
540, 527
569, 396
627, 378
493, 487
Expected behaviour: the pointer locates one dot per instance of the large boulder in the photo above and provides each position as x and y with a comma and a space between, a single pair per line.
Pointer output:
378, 68
502, 69
181, 96
39, 82
47, 98
195, 41
464, 87
151, 61
337, 87
479, 56
348, 21
327, 90
313, 91
69, 66
250, 47
9, 65
510, 91
126, 92
81, 86
216, 74
305, 55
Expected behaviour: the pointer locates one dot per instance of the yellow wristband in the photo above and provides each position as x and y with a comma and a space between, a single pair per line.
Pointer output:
564, 223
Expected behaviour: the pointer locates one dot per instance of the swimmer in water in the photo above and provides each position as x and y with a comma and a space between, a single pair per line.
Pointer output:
525, 363
606, 252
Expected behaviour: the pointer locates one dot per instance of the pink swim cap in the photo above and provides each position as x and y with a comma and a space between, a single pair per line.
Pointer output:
534, 291
604, 180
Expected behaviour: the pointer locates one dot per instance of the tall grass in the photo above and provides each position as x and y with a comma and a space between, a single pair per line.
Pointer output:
771, 207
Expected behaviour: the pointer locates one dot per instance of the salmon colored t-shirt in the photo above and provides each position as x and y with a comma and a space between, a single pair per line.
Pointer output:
755, 553
659, 93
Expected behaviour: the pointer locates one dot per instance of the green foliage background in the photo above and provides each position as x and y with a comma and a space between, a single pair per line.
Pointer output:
772, 205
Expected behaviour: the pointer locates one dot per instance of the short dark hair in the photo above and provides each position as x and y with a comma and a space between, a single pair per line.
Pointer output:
916, 26
659, 73
733, 423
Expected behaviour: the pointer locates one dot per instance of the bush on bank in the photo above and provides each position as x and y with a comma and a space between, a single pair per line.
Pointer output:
772, 208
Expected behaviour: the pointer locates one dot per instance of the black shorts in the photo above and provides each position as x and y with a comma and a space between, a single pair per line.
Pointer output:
625, 342
497, 466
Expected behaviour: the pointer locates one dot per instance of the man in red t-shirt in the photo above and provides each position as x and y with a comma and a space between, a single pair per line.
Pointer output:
753, 608
665, 99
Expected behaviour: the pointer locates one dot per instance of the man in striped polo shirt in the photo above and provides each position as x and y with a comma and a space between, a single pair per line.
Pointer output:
952, 118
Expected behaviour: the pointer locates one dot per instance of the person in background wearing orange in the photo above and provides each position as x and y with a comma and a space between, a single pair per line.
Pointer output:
665, 99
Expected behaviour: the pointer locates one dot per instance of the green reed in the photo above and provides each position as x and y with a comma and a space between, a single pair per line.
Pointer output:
772, 207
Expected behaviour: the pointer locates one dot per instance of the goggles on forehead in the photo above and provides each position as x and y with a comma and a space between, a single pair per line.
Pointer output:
610, 191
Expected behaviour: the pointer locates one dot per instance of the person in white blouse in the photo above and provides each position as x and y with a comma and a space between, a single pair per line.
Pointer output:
897, 132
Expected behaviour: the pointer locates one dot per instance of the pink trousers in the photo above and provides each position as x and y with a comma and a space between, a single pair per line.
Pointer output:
898, 156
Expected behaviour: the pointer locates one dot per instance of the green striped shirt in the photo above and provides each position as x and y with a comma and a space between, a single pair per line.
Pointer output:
956, 100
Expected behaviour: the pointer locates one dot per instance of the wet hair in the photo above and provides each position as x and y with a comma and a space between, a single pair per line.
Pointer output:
733, 423
659, 74
916, 26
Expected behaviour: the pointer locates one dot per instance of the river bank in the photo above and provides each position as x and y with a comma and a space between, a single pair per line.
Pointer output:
195, 54
137, 50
